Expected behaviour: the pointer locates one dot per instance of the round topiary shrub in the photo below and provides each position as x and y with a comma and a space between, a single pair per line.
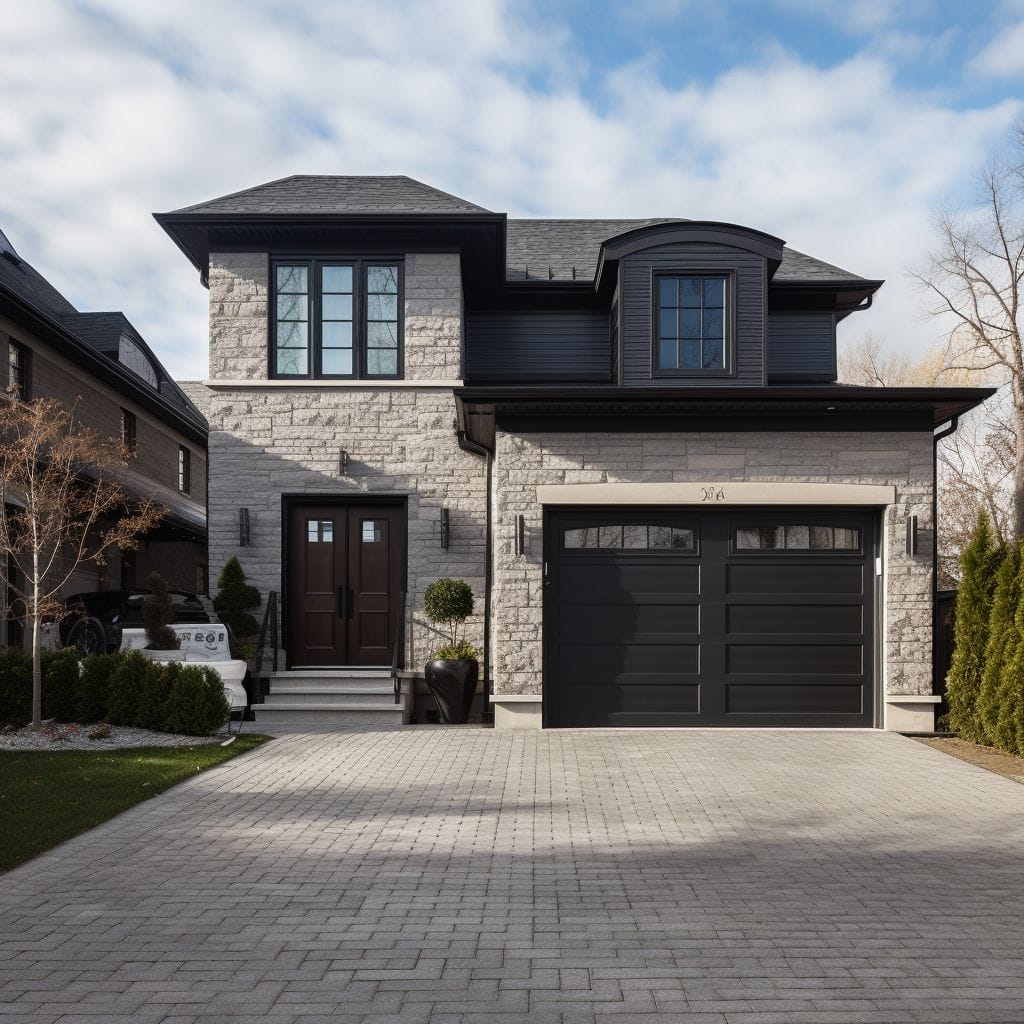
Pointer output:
449, 602
158, 614
153, 696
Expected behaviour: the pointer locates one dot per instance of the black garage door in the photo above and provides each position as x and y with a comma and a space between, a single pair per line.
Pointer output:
730, 617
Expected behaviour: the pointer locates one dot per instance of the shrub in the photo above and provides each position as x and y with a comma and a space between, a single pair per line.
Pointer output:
235, 599
1002, 643
461, 651
15, 687
153, 693
449, 602
61, 671
195, 704
93, 691
157, 615
127, 683
979, 562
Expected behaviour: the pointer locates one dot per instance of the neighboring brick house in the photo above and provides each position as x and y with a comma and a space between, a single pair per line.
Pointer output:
98, 364
626, 435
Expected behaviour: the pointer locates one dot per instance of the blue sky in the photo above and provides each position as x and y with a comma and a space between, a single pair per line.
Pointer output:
840, 126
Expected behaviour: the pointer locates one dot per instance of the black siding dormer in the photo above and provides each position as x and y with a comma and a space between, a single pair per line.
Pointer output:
637, 272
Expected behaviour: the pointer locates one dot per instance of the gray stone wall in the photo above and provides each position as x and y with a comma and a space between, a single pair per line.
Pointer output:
524, 461
239, 316
265, 443
273, 440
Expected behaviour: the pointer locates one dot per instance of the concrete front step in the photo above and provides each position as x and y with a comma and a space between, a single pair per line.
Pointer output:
330, 698
392, 715
302, 685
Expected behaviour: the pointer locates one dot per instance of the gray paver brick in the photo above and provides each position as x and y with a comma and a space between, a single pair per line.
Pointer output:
472, 877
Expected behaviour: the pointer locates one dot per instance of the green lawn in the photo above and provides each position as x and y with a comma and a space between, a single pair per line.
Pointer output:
47, 797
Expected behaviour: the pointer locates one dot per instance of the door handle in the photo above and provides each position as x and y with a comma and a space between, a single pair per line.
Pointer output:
342, 604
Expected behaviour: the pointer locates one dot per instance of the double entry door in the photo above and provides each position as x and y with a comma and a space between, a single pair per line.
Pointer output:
344, 579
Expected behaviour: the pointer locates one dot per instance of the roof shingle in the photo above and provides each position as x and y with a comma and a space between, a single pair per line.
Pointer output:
339, 194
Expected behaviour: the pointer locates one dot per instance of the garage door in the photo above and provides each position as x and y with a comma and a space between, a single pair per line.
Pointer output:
731, 617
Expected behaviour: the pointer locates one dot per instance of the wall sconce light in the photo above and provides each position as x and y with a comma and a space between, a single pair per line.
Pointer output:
343, 462
911, 535
445, 529
520, 535
243, 527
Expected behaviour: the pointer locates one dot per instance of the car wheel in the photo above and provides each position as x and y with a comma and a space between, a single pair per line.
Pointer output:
88, 637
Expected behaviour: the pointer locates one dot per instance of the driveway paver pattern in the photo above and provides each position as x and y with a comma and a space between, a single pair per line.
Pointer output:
462, 876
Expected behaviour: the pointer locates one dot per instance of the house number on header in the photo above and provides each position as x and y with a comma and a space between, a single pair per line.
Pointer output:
712, 494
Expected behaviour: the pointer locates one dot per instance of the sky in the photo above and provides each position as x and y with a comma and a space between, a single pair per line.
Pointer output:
841, 126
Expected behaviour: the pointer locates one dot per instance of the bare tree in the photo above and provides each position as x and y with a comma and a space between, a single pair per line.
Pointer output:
867, 361
62, 507
975, 279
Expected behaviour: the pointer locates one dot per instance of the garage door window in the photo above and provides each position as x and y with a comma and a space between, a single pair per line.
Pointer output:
797, 537
618, 536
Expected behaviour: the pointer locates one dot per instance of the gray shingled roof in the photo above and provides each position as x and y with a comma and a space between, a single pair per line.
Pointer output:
333, 193
541, 250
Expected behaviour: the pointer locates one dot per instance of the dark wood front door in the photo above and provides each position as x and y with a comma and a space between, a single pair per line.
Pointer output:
344, 578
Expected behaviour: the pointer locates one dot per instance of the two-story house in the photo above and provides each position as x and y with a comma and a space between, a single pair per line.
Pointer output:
626, 435
100, 366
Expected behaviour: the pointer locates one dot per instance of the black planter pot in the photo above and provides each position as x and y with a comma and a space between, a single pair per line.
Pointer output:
453, 684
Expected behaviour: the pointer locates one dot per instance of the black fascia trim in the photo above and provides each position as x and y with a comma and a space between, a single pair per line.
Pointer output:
123, 380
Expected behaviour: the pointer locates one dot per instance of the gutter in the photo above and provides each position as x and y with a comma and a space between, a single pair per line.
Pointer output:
474, 448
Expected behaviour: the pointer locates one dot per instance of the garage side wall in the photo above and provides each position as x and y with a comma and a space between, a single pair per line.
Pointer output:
524, 461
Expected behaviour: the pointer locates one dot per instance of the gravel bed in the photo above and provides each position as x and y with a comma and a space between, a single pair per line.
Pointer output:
76, 737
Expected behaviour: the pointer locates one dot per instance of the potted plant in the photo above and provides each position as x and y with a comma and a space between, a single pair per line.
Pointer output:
453, 672
157, 614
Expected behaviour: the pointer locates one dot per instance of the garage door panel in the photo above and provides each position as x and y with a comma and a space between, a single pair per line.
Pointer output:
790, 578
795, 659
810, 619
625, 662
771, 699
600, 705
606, 582
739, 637
628, 623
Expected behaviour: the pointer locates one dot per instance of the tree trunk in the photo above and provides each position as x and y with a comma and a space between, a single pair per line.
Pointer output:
1018, 468
37, 661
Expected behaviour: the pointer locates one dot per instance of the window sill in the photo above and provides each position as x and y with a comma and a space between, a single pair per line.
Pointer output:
313, 384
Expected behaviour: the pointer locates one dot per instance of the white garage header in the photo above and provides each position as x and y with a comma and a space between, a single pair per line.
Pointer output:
723, 492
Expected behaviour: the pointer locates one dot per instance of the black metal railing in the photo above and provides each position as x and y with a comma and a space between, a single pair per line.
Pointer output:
267, 638
398, 649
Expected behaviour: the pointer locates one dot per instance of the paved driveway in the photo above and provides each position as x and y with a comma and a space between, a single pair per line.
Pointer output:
459, 875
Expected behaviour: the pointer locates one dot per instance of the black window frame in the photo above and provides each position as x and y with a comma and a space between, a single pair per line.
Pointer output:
23, 392
314, 301
129, 430
795, 521
184, 469
728, 369
630, 518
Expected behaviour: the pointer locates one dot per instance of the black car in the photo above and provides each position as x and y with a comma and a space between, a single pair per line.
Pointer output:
94, 622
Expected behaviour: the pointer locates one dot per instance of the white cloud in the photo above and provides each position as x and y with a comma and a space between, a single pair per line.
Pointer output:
142, 107
1003, 57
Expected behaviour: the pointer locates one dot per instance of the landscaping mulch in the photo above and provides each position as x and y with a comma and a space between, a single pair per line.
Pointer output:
999, 761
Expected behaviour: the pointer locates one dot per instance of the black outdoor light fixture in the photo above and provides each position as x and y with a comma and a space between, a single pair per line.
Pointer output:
445, 530
911, 535
243, 527
343, 462
520, 535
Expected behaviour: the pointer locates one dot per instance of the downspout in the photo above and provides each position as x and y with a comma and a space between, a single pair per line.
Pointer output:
474, 448
937, 436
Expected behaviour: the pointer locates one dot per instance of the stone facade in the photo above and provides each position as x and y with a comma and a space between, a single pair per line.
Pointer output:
270, 440
522, 462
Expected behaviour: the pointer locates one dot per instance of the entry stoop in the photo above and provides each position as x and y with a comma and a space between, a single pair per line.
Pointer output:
343, 696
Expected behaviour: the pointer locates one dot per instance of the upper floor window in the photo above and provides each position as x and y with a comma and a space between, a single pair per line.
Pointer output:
128, 431
184, 470
131, 355
336, 318
691, 324
19, 376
